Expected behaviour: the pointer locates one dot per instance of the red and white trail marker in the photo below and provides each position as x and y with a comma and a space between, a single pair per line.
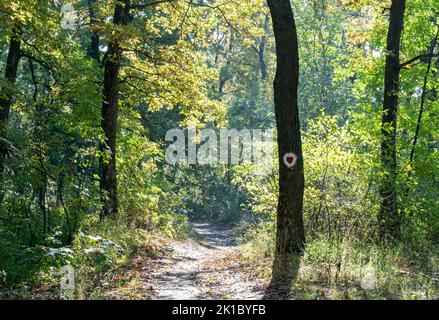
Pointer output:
290, 159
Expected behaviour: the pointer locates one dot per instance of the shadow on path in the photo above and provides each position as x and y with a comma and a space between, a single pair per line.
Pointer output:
196, 270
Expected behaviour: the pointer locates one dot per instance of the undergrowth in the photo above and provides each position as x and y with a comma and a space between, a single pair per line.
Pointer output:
101, 254
351, 269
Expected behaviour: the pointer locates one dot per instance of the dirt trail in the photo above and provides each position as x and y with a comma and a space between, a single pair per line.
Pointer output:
196, 269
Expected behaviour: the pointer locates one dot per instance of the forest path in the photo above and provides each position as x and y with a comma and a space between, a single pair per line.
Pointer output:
199, 269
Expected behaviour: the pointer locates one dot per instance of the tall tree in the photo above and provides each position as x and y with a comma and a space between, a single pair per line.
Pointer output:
261, 49
6, 94
423, 96
389, 220
108, 174
290, 236
93, 50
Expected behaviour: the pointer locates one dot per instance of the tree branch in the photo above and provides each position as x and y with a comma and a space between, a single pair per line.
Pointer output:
141, 6
421, 56
424, 92
43, 64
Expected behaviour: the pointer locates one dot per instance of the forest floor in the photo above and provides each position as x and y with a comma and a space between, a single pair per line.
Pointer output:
202, 267
212, 264
207, 265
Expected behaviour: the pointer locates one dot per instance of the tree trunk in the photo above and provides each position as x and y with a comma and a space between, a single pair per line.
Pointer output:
424, 93
290, 236
389, 220
261, 51
108, 174
5, 94
93, 50
6, 99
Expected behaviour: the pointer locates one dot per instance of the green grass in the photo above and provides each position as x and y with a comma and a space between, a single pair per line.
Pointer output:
351, 269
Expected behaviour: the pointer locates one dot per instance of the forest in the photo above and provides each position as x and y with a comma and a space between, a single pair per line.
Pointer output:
219, 149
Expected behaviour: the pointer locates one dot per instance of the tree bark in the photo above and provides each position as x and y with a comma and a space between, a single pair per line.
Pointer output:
389, 219
6, 99
290, 237
261, 51
5, 94
108, 174
93, 50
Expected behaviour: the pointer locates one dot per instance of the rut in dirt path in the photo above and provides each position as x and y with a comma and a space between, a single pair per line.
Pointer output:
194, 270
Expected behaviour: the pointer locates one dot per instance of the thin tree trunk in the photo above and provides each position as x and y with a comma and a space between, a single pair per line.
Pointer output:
93, 50
389, 220
261, 51
424, 93
42, 186
290, 236
6, 99
108, 174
